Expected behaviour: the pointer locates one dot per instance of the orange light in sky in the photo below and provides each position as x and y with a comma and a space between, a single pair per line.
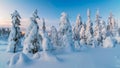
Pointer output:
5, 22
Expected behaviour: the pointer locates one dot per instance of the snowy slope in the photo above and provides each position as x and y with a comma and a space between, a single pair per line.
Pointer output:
87, 58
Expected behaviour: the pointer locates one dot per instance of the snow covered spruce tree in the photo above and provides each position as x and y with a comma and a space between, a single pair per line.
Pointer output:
111, 33
82, 35
46, 42
89, 30
112, 25
65, 33
32, 42
30, 26
54, 37
103, 29
97, 30
76, 31
15, 33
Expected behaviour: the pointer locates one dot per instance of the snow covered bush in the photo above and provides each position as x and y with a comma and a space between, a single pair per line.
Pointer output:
108, 42
117, 38
15, 34
32, 42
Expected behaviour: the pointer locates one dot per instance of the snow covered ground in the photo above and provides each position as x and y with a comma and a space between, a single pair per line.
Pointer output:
86, 58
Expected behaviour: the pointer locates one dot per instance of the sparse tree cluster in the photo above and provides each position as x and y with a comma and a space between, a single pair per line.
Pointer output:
4, 33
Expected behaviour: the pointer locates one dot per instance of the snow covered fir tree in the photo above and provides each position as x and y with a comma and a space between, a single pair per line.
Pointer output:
15, 34
54, 37
89, 30
65, 33
97, 31
32, 42
46, 42
76, 31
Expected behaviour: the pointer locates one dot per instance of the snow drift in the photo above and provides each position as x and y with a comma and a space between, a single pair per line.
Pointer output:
19, 59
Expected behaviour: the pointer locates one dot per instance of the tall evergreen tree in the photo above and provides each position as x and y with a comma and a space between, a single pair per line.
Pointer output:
112, 25
89, 29
103, 29
82, 35
97, 29
32, 42
46, 42
15, 34
54, 37
65, 32
76, 31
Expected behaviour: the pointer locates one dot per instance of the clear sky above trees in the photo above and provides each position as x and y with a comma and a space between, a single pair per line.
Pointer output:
51, 9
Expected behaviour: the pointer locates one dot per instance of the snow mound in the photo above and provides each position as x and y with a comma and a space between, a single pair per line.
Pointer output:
82, 42
117, 39
108, 43
9, 47
45, 56
13, 60
23, 59
77, 45
36, 56
19, 58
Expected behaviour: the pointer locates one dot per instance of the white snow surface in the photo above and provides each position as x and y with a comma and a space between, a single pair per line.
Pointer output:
86, 58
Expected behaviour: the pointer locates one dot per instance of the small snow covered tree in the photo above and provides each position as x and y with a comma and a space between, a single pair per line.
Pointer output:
54, 37
103, 29
32, 42
111, 32
15, 34
65, 33
46, 43
113, 27
109, 27
97, 30
89, 30
77, 28
76, 31
82, 35
44, 27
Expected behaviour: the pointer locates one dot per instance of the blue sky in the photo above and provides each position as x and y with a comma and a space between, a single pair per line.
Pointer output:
51, 9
